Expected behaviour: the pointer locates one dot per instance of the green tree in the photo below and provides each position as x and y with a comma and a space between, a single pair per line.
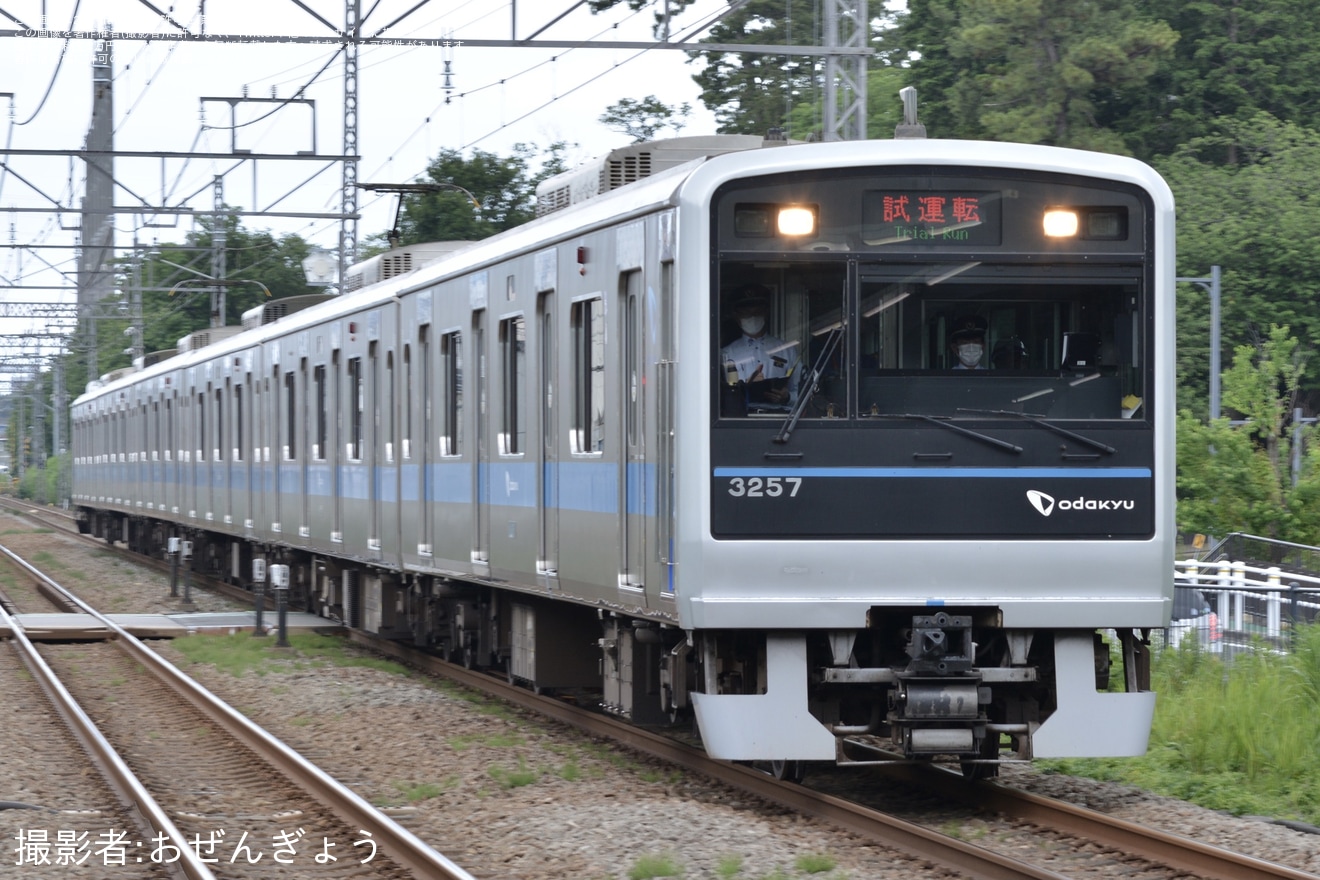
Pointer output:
177, 300
1043, 72
1239, 477
1259, 220
1233, 60
752, 93
664, 15
642, 119
920, 40
884, 110
504, 188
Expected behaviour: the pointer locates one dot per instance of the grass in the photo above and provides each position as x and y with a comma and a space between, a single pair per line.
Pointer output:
1239, 737
49, 562
655, 865
513, 778
241, 652
415, 793
482, 703
814, 863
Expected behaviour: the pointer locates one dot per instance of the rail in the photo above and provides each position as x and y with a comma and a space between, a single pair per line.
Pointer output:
405, 848
122, 780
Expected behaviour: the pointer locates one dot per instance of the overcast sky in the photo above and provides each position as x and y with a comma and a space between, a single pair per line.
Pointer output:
499, 97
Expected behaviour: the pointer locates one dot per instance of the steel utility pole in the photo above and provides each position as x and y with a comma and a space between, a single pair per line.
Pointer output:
218, 231
846, 27
348, 230
97, 236
1211, 285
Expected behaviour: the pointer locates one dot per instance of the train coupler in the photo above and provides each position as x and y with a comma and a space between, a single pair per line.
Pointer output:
938, 716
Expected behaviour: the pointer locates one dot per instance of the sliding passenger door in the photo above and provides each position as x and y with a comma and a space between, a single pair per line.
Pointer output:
548, 499
384, 476
481, 460
633, 445
425, 452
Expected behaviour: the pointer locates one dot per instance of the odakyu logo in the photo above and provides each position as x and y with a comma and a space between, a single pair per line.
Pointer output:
1045, 504
1042, 502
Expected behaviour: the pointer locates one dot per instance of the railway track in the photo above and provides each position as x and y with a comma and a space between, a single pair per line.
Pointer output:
203, 782
1178, 855
57, 810
1070, 828
63, 521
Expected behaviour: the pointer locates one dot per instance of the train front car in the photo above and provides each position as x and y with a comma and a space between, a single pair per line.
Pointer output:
936, 465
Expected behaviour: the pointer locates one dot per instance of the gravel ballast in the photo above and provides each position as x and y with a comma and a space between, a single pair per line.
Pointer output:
509, 795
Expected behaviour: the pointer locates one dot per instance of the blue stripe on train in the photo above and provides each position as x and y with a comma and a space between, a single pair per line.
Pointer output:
585, 486
938, 473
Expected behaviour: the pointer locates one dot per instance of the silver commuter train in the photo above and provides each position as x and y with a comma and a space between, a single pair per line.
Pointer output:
535, 453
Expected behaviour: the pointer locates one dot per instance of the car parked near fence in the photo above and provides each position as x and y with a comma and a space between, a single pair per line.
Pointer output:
1194, 617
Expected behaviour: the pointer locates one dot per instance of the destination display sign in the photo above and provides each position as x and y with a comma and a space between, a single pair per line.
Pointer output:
926, 217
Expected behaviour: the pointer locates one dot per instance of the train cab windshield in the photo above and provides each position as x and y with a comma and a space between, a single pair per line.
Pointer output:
934, 339
938, 295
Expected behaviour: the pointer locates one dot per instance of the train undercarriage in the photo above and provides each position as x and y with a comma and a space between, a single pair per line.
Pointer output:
914, 684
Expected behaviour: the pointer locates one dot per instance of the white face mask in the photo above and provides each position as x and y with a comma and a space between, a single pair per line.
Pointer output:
969, 353
752, 325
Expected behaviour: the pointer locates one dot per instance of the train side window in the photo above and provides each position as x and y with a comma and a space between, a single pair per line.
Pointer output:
407, 403
513, 369
451, 387
238, 423
201, 427
290, 416
217, 453
775, 326
587, 429
318, 381
356, 403
388, 414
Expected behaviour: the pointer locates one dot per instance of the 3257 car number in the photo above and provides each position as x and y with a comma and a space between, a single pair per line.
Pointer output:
764, 487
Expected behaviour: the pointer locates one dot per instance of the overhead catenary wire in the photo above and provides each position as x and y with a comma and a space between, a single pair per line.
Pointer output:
59, 63
179, 177
526, 71
169, 54
502, 83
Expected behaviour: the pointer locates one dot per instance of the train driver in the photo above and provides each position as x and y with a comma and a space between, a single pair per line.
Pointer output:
967, 342
764, 362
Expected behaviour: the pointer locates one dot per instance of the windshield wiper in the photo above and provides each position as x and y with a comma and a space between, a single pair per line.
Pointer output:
813, 381
957, 429
1049, 426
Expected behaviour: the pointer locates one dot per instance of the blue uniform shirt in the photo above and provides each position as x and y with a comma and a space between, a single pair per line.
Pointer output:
773, 355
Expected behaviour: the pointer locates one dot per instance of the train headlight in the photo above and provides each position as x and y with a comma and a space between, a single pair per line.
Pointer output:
1060, 224
1089, 223
796, 220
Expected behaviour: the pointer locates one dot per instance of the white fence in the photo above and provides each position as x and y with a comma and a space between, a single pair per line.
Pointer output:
1253, 605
